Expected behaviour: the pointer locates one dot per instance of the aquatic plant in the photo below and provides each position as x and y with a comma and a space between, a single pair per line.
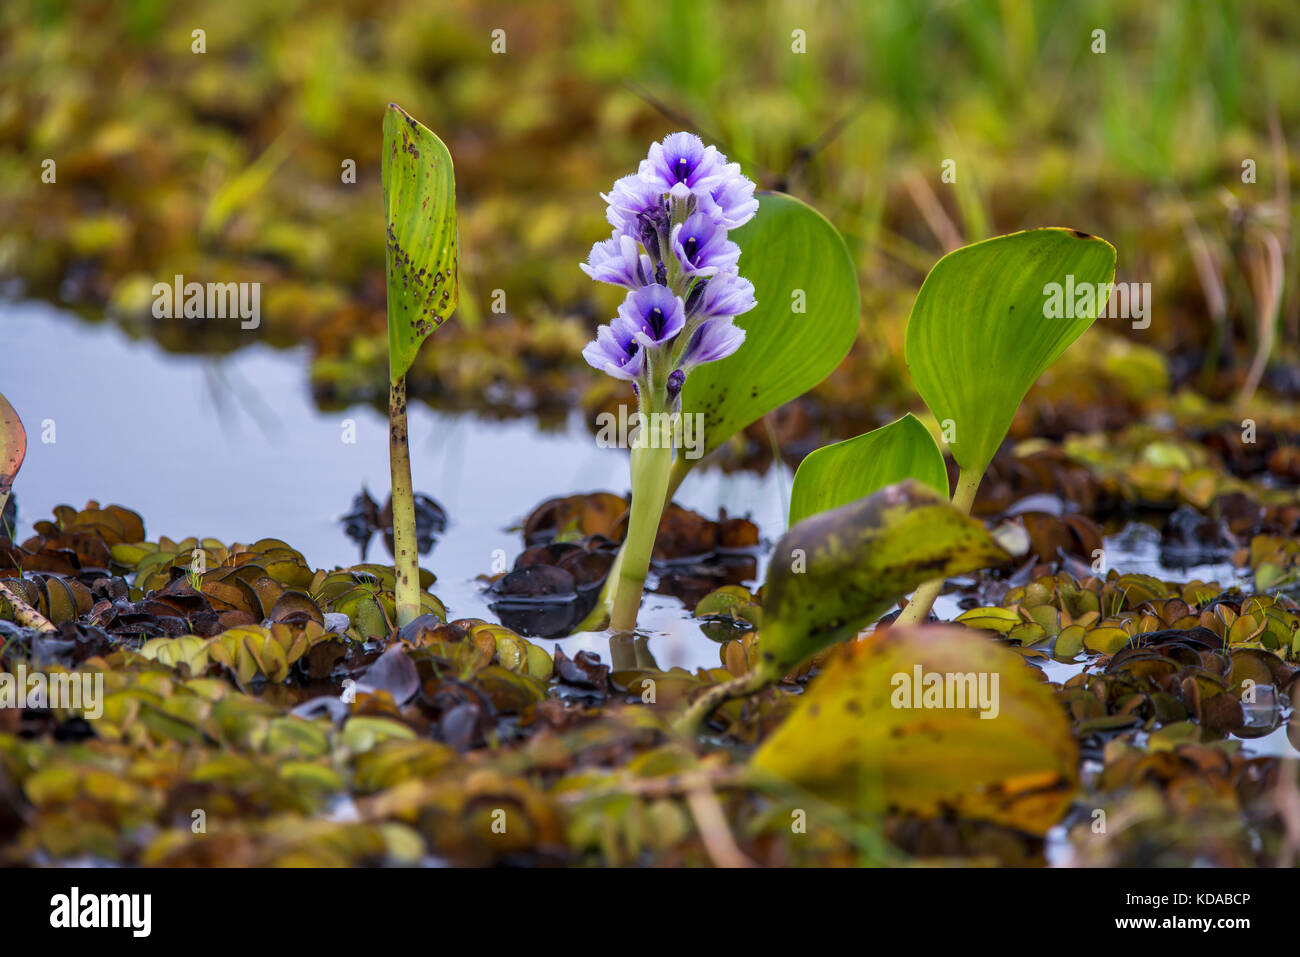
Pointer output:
861, 536
678, 335
670, 250
421, 260
979, 336
982, 331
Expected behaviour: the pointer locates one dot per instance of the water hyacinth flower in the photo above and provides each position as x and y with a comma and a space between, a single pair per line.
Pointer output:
671, 219
670, 249
732, 202
620, 262
616, 352
709, 343
648, 318
702, 248
711, 300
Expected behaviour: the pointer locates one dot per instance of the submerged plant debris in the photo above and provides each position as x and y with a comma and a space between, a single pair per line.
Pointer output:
259, 712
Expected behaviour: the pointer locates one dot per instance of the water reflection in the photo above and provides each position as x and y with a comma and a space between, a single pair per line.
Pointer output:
233, 447
366, 519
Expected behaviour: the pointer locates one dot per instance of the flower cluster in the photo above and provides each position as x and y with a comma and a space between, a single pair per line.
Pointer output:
670, 249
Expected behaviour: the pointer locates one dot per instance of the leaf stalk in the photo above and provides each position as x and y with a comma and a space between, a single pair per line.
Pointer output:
406, 566
922, 600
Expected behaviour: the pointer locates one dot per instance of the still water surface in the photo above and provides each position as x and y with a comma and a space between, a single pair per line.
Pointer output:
233, 447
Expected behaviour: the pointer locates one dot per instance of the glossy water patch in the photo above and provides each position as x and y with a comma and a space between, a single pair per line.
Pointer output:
233, 447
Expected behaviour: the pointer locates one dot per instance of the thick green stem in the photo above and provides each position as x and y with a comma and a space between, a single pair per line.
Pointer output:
918, 608
406, 557
651, 461
599, 616
681, 468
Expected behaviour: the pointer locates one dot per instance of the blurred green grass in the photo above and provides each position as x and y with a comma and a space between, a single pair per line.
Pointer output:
226, 165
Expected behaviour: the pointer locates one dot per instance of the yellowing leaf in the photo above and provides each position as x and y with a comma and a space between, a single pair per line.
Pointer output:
996, 619
1106, 640
859, 738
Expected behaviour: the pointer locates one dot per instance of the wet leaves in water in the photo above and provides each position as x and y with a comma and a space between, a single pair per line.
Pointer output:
252, 719
572, 542
583, 670
730, 601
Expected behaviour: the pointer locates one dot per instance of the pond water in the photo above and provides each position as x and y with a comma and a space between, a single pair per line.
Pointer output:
233, 447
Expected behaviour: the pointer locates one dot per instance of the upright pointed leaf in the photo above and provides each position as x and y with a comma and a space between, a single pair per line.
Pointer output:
834, 573
797, 261
421, 248
990, 742
979, 335
835, 475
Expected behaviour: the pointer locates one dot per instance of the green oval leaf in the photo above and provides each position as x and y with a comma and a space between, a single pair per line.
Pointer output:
796, 259
836, 572
421, 248
846, 471
980, 335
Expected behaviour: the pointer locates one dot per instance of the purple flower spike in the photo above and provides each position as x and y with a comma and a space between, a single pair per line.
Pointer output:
724, 296
620, 262
682, 165
702, 248
615, 352
670, 249
712, 341
653, 314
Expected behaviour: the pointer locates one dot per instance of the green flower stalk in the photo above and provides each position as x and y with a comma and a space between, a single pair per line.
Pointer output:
421, 260
670, 250
652, 458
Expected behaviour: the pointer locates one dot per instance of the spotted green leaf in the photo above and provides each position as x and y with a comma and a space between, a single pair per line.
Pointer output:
980, 335
837, 474
421, 247
833, 574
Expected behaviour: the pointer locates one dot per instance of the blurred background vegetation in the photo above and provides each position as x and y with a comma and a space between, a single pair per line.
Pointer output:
226, 165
